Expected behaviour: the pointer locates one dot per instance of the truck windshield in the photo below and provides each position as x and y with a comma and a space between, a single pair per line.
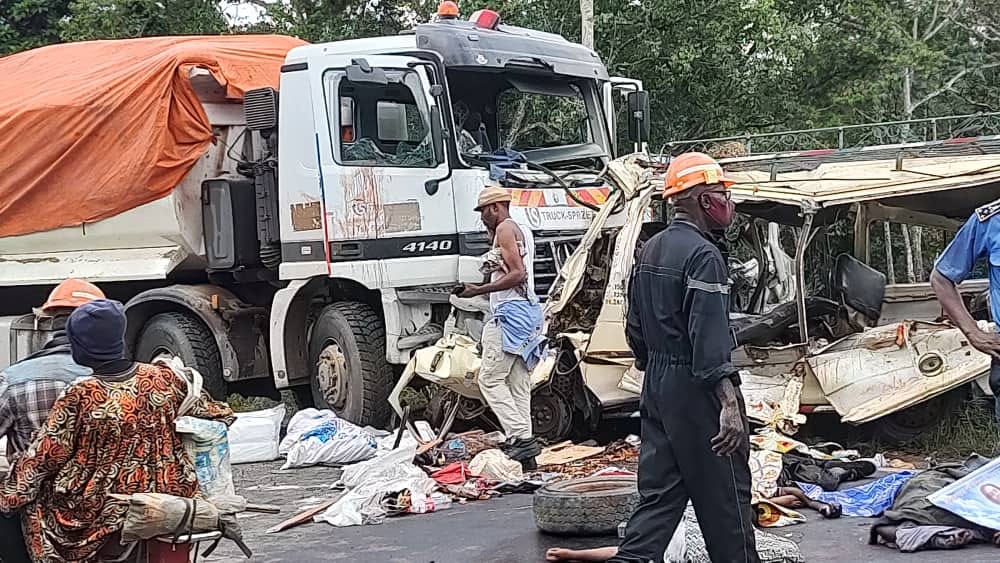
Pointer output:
532, 120
526, 112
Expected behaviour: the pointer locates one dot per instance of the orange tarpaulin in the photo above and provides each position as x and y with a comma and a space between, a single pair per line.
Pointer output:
89, 130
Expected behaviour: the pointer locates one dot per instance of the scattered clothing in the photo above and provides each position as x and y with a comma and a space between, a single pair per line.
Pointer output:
765, 470
106, 434
770, 548
453, 474
502, 160
828, 474
493, 464
911, 538
868, 501
913, 508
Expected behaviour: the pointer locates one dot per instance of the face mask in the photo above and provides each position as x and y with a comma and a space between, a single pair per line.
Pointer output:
719, 210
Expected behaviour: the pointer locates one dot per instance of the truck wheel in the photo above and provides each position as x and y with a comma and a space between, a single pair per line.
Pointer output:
551, 416
908, 424
350, 374
593, 506
186, 337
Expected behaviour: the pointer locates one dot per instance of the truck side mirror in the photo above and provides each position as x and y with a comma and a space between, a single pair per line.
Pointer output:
638, 116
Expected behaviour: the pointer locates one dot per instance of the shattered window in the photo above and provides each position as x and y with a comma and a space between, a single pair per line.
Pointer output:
381, 124
536, 117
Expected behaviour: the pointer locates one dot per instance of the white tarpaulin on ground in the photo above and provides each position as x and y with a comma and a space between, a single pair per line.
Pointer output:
368, 482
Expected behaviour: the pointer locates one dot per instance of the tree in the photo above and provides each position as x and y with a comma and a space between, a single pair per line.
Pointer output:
26, 24
119, 19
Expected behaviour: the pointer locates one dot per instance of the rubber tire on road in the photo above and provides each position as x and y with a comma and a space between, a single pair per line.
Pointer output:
586, 507
190, 340
360, 332
897, 428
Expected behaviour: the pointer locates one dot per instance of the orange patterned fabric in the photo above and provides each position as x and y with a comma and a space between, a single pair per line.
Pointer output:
103, 436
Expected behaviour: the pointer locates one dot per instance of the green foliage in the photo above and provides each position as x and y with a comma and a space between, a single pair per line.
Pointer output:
26, 24
713, 68
119, 19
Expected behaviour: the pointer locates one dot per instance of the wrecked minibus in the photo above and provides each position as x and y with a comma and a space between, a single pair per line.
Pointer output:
818, 324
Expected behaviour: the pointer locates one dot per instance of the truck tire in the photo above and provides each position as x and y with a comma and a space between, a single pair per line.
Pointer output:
189, 339
594, 506
350, 374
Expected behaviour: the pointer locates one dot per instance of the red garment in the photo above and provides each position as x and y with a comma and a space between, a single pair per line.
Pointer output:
453, 474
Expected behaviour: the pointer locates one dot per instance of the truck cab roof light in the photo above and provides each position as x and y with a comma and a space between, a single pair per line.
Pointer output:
486, 19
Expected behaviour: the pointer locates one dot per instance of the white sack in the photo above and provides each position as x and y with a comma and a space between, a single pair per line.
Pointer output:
254, 436
325, 439
207, 444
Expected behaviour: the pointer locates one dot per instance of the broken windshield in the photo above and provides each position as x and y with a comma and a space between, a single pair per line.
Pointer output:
548, 118
536, 120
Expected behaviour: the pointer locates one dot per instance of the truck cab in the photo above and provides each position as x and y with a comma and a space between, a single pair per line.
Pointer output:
314, 244
383, 146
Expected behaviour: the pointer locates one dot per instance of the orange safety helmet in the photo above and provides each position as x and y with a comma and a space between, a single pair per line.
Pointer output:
691, 169
70, 294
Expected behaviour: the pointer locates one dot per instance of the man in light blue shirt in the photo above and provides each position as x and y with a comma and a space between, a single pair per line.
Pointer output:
977, 240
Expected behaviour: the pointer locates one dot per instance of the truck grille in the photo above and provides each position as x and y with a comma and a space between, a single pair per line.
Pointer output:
552, 249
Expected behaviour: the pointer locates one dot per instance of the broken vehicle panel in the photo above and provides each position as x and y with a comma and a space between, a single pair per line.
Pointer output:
867, 348
890, 368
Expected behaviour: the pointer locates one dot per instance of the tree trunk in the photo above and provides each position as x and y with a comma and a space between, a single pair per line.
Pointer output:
587, 23
918, 250
910, 276
890, 270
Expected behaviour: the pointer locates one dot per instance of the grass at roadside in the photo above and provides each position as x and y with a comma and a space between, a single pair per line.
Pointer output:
971, 428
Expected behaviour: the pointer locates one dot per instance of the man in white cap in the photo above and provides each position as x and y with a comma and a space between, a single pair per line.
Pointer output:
512, 341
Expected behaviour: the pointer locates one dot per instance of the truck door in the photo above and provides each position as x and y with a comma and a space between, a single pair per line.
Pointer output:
386, 182
616, 109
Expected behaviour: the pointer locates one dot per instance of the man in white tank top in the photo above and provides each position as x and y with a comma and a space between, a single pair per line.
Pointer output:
512, 341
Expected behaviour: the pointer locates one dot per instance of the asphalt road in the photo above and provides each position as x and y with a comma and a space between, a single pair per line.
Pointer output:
499, 530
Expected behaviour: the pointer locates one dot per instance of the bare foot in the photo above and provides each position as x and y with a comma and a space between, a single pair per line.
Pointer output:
596, 554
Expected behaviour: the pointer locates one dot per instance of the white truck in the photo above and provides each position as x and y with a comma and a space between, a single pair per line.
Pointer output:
314, 246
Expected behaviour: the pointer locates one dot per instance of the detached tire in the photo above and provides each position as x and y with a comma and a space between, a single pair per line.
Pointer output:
350, 374
594, 506
186, 337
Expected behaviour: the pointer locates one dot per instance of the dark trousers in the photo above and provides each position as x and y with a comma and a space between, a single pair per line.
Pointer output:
12, 549
677, 464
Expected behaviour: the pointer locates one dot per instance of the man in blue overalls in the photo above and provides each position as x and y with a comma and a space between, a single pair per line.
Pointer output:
977, 240
695, 442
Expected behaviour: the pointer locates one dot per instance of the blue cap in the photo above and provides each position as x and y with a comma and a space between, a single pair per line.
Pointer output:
96, 332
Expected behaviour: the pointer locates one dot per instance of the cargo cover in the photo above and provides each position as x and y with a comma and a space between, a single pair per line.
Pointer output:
97, 128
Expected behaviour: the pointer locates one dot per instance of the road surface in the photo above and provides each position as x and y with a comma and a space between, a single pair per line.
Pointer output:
499, 530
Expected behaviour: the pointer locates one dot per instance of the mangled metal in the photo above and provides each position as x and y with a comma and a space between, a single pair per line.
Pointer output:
798, 353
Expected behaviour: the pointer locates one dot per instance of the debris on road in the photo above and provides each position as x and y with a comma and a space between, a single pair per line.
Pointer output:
300, 518
255, 435
566, 452
619, 454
